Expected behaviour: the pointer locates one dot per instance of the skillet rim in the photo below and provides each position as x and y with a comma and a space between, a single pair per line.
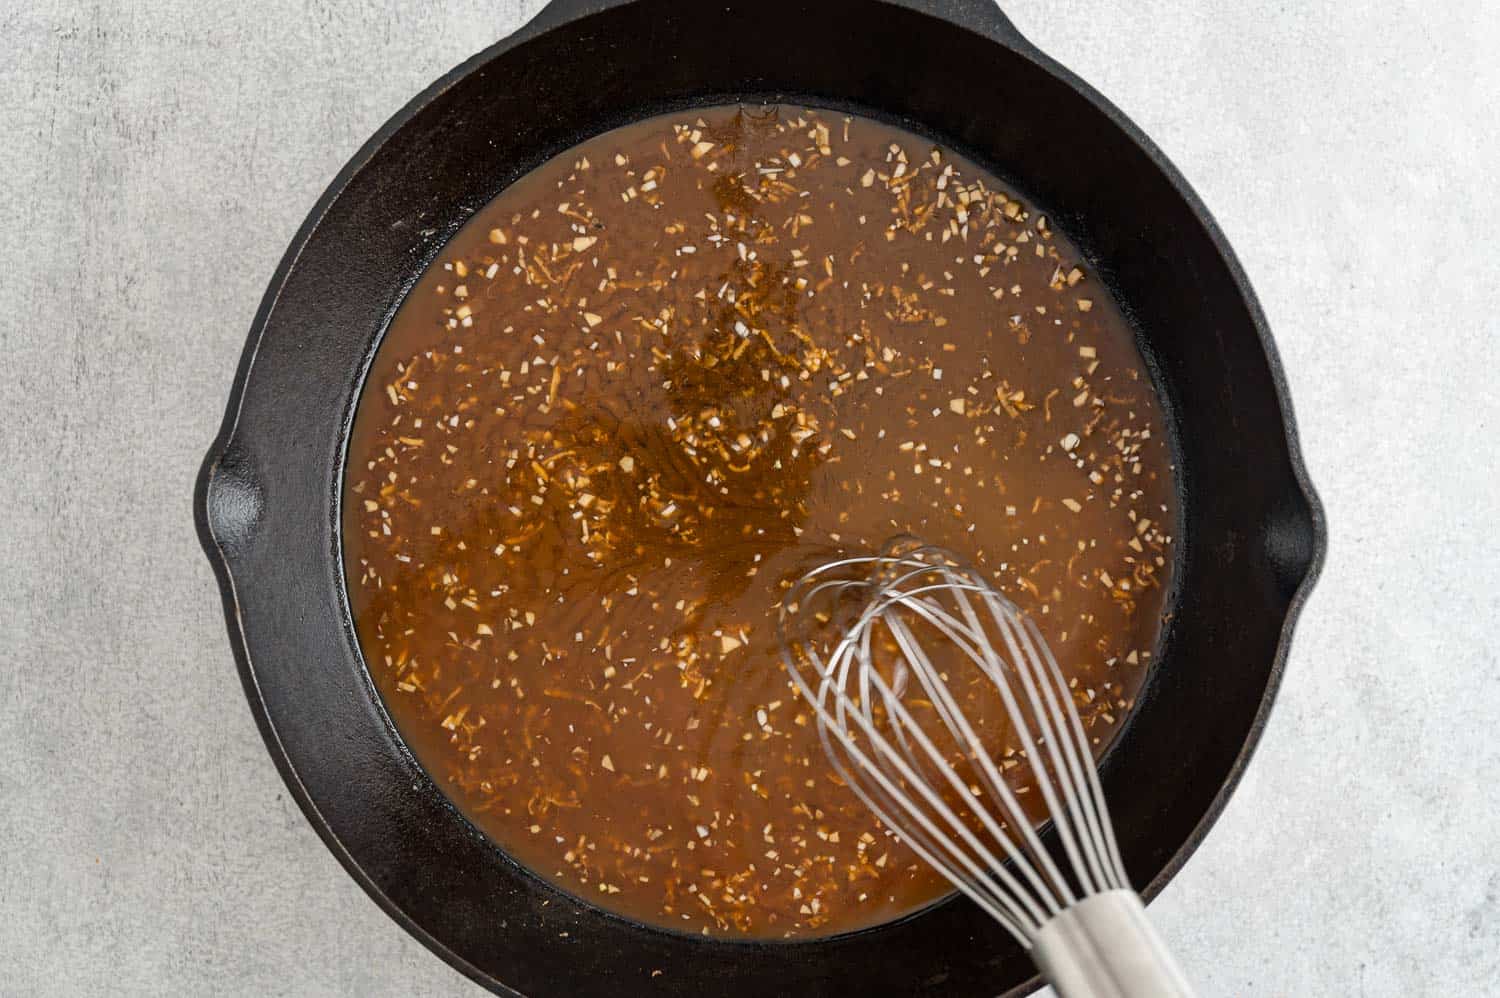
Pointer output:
975, 16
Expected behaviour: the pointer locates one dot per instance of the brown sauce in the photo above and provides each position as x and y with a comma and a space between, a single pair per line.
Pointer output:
652, 382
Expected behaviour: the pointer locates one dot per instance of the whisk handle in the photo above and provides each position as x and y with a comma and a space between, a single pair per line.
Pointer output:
1105, 947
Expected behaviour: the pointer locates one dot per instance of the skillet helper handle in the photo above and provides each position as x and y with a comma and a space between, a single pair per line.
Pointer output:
1105, 947
984, 16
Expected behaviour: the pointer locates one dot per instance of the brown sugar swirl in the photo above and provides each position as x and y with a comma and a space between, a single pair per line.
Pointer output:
648, 385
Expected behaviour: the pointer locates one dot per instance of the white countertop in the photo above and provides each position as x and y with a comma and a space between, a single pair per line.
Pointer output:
157, 159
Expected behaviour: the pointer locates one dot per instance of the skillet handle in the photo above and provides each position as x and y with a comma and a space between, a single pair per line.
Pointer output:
982, 16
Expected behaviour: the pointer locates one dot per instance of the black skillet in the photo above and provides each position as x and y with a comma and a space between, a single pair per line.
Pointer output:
1249, 543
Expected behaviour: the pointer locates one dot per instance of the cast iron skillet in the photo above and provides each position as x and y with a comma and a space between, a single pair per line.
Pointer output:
1249, 543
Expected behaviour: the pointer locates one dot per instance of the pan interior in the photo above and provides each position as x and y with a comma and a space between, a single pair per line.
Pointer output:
655, 380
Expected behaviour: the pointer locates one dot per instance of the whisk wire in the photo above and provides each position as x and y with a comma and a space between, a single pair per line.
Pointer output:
1106, 850
952, 716
935, 783
924, 838
900, 771
972, 642
1015, 909
1057, 759
984, 656
886, 797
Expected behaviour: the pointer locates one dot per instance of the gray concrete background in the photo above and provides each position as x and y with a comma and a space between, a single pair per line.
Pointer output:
156, 158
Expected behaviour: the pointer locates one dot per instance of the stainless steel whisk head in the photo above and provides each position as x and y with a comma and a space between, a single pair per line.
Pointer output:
897, 653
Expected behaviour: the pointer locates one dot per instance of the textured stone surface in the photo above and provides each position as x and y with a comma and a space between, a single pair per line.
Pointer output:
157, 158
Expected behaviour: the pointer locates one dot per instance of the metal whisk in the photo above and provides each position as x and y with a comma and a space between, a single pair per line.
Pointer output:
898, 653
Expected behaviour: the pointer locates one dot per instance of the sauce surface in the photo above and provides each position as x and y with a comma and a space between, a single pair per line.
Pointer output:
644, 389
